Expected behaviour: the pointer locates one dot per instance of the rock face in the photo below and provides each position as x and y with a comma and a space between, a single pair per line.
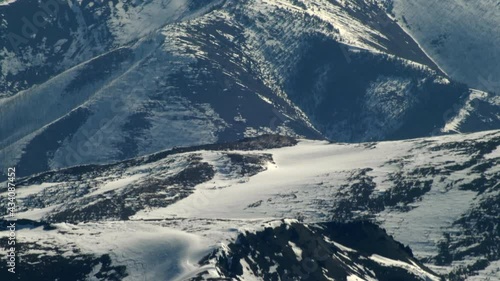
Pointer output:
327, 251
437, 196
246, 140
100, 82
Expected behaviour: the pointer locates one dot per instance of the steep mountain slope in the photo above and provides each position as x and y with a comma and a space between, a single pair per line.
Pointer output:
84, 82
138, 99
41, 39
158, 251
354, 92
316, 252
480, 112
438, 195
128, 79
462, 36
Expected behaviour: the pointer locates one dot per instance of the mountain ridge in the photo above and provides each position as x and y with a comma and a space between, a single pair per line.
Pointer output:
427, 193
133, 99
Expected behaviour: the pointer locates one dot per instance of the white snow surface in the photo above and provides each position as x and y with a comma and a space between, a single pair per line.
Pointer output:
314, 170
461, 36
151, 252
294, 184
413, 269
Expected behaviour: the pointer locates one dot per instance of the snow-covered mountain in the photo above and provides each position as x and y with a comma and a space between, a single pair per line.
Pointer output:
165, 215
461, 36
108, 81
326, 251
248, 140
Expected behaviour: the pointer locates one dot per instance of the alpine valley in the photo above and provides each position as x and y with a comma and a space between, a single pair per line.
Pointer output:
180, 140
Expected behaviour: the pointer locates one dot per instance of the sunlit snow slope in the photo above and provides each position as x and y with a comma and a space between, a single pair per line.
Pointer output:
437, 195
462, 36
102, 82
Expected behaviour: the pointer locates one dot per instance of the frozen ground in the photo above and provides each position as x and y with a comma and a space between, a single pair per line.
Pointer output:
427, 193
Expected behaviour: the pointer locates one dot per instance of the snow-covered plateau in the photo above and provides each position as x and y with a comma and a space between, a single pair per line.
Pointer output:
106, 81
331, 140
438, 196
